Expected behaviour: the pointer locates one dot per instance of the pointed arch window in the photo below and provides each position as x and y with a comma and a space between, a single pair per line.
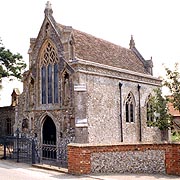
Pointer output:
8, 126
49, 75
129, 108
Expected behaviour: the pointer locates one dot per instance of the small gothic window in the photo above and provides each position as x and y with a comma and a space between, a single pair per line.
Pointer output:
71, 49
32, 81
47, 28
31, 92
8, 126
129, 107
66, 89
49, 75
25, 124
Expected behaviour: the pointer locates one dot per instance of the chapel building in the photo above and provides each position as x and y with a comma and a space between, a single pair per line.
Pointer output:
83, 89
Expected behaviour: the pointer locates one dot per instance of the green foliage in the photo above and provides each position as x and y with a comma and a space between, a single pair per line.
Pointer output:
173, 83
175, 137
10, 64
159, 111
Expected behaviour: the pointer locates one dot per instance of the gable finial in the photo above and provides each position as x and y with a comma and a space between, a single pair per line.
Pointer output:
132, 43
48, 10
48, 5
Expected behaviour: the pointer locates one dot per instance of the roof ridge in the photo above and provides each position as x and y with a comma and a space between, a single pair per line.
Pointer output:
95, 49
94, 36
104, 40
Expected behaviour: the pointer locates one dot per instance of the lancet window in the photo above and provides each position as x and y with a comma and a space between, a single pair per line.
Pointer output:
49, 75
129, 108
8, 126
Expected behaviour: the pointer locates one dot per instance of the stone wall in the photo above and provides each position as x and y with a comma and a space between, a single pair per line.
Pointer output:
134, 158
149, 161
101, 103
7, 114
102, 109
30, 106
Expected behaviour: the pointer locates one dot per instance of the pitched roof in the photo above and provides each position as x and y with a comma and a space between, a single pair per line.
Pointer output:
94, 49
16, 91
91, 48
172, 110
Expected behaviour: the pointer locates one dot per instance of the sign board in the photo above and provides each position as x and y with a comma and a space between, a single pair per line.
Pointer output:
80, 87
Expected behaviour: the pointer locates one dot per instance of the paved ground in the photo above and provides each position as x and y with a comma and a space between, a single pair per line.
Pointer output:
18, 171
10, 170
136, 177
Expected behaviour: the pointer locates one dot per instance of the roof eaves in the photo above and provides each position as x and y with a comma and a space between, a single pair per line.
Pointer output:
138, 54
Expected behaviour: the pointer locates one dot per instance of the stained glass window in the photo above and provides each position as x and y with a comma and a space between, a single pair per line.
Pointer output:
43, 84
49, 83
56, 83
49, 75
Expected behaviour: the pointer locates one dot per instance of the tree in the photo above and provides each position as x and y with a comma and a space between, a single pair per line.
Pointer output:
159, 111
11, 65
173, 83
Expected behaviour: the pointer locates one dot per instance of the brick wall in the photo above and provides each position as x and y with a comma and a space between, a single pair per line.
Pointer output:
139, 158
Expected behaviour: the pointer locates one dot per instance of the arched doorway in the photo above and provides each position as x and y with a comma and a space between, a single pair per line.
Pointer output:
49, 139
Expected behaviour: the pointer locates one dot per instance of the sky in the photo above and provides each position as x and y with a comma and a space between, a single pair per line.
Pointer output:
154, 25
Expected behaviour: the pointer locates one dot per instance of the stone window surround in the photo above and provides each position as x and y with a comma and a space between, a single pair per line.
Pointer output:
48, 57
130, 108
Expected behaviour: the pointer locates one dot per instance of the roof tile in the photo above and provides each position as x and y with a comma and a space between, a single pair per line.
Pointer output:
91, 48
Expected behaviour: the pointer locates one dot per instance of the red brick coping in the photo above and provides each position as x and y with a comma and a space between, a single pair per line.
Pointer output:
79, 155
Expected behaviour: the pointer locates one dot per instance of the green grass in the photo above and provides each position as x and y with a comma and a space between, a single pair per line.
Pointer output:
175, 137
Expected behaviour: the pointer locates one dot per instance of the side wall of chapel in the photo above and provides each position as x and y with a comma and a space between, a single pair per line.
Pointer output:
101, 107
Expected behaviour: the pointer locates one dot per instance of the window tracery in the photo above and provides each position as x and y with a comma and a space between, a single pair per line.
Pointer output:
129, 108
49, 75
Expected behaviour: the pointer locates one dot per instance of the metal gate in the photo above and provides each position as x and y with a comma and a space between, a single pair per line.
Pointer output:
20, 149
55, 154
28, 150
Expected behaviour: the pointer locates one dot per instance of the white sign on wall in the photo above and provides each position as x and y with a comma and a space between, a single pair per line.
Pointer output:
80, 87
81, 123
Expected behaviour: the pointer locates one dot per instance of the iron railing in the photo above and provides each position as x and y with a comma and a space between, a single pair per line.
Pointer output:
28, 150
16, 148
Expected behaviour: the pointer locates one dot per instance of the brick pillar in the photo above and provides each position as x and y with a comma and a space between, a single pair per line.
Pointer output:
173, 159
78, 160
